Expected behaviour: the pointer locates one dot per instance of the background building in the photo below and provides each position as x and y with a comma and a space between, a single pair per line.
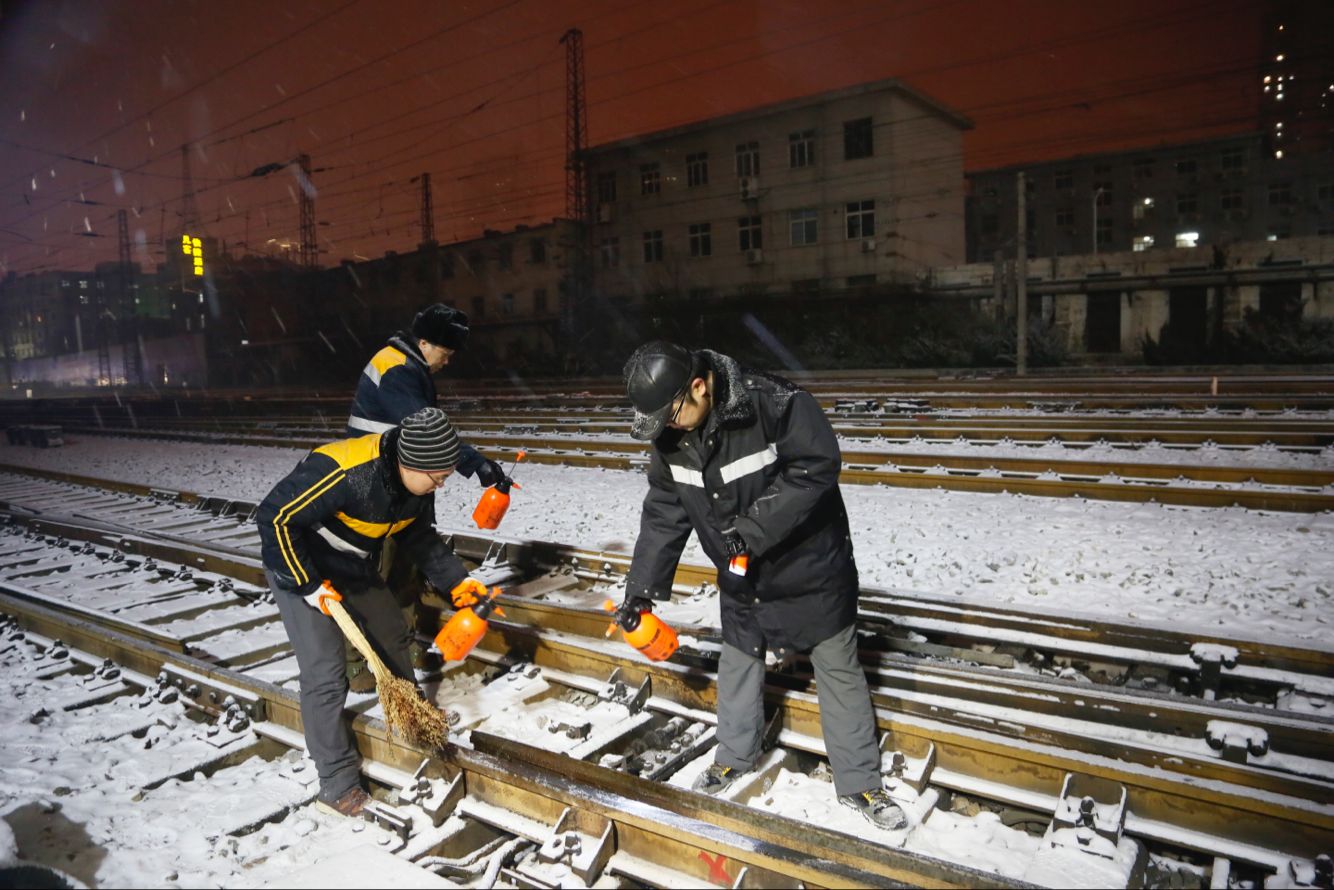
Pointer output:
841, 190
1197, 194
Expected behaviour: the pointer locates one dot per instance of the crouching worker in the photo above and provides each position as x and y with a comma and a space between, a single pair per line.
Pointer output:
328, 519
750, 463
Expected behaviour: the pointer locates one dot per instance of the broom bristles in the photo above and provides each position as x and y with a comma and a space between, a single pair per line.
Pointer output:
406, 712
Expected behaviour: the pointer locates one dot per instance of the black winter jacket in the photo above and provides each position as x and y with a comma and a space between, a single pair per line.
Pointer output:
766, 461
330, 516
397, 382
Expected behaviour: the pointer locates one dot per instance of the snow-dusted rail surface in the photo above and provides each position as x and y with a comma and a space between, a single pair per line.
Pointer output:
511, 704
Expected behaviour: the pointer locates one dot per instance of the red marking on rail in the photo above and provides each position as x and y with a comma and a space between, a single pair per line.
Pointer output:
717, 874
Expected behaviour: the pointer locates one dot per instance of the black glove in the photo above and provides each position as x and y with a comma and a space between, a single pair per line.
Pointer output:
627, 613
734, 544
489, 473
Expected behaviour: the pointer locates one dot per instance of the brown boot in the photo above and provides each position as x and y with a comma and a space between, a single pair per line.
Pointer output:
350, 804
361, 679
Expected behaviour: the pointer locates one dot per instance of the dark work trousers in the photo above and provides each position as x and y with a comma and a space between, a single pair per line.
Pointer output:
847, 719
320, 647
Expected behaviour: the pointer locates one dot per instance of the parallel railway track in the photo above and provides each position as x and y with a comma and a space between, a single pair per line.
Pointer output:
1248, 782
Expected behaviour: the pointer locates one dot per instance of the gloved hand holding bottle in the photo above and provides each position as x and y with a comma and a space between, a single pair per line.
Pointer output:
738, 560
467, 592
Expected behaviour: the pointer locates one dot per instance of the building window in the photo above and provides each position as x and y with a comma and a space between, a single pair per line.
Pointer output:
990, 225
1065, 219
749, 233
801, 149
1280, 193
653, 246
1104, 231
1102, 169
1142, 242
1188, 239
701, 239
697, 169
1186, 167
478, 308
806, 286
858, 139
611, 252
1231, 199
505, 255
700, 293
748, 159
1142, 207
804, 226
607, 188
1143, 168
856, 282
1064, 180
1187, 202
650, 179
507, 304
540, 301
1234, 159
861, 219
537, 250
1278, 233
1103, 190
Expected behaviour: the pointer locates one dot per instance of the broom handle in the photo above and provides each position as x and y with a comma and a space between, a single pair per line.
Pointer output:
357, 638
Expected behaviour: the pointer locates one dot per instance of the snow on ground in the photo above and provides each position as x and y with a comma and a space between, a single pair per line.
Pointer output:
1230, 571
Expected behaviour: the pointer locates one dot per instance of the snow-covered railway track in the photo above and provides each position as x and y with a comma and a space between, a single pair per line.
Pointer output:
1295, 490
189, 736
1254, 798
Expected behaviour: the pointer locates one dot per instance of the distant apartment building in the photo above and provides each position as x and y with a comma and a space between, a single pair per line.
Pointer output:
837, 191
512, 285
1198, 194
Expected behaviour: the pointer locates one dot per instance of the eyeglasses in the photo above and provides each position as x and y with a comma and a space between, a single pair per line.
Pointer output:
681, 403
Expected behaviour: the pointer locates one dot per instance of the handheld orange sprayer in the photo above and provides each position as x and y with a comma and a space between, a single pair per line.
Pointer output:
645, 631
496, 500
457, 638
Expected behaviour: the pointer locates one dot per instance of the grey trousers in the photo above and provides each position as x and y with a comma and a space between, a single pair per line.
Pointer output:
321, 657
847, 719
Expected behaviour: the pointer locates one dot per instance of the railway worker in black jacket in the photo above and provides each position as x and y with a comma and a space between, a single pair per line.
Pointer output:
327, 520
396, 382
750, 463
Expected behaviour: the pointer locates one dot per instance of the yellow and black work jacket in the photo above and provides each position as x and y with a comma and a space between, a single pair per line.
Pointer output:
330, 516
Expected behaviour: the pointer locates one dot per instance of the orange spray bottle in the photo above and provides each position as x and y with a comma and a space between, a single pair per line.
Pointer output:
645, 631
466, 628
496, 500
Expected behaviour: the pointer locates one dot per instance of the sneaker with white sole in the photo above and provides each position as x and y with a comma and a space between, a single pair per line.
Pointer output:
878, 809
717, 778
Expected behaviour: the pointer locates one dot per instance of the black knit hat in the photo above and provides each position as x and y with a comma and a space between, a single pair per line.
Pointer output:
442, 325
427, 442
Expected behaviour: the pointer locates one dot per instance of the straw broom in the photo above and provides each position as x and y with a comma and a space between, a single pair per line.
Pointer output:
404, 710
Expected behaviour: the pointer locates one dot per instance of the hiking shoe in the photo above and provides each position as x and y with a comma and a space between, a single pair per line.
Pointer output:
878, 809
362, 681
423, 659
716, 778
350, 804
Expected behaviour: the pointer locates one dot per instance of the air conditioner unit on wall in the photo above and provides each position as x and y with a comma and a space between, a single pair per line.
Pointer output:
604, 213
750, 187
754, 257
868, 245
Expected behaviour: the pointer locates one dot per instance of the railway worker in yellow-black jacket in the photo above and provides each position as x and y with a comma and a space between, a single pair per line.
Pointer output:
327, 520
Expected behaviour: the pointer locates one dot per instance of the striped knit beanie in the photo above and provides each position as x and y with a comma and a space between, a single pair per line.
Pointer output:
427, 442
